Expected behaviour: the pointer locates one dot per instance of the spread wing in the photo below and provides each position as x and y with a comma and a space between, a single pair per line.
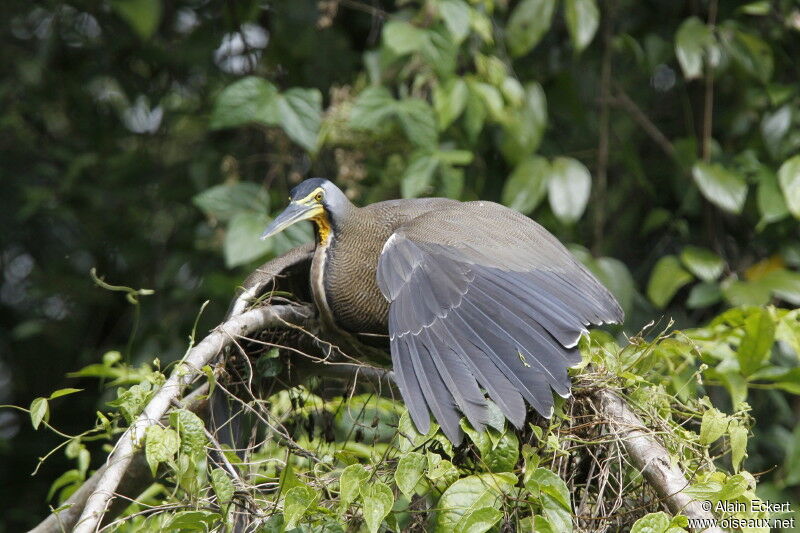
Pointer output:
483, 297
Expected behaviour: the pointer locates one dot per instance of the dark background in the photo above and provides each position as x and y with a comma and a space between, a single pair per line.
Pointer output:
105, 141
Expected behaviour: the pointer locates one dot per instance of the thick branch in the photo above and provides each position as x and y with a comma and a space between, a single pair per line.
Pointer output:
136, 479
650, 457
225, 334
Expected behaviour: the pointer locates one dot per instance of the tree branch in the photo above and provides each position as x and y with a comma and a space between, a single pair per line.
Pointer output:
137, 477
624, 101
126, 472
650, 457
122, 456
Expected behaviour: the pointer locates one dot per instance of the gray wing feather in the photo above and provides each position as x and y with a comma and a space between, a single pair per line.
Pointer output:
483, 296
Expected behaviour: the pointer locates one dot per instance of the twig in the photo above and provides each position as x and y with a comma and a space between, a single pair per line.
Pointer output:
708, 102
602, 143
623, 100
650, 457
120, 459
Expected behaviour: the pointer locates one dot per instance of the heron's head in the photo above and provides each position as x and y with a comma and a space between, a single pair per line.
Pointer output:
314, 199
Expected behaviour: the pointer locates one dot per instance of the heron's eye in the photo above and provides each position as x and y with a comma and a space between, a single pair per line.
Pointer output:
318, 197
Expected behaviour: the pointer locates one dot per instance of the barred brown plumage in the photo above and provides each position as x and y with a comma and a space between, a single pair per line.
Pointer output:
473, 296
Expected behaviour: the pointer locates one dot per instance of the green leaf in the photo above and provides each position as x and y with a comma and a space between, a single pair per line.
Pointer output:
63, 392
774, 127
469, 494
738, 436
723, 188
40, 411
771, 203
192, 521
713, 426
440, 52
527, 184
418, 122
542, 525
451, 182
544, 481
759, 8
568, 188
223, 486
456, 16
667, 277
300, 114
752, 54
652, 523
455, 157
242, 244
371, 109
69, 477
617, 278
296, 503
418, 177
756, 345
707, 490
582, 18
378, 501
788, 330
784, 284
449, 101
704, 295
527, 24
690, 42
248, 100
161, 445
409, 471
478, 520
746, 293
191, 429
702, 262
297, 111
224, 201
734, 487
491, 98
474, 113
350, 483
403, 38
789, 179
504, 454
792, 463
131, 401
143, 16
523, 128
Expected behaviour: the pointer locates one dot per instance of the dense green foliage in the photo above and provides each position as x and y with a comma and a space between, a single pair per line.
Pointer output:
152, 140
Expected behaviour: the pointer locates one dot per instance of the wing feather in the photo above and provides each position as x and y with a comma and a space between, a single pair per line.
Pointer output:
499, 306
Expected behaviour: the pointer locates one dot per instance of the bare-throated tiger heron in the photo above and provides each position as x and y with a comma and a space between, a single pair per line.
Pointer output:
473, 296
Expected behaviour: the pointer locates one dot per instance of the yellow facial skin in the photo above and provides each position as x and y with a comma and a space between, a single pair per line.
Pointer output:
317, 214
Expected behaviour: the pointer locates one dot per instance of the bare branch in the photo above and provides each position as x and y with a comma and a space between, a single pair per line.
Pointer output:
203, 353
650, 457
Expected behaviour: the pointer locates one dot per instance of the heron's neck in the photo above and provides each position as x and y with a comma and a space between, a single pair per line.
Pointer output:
323, 227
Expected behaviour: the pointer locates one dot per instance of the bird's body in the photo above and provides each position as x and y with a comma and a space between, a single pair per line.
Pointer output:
343, 278
474, 297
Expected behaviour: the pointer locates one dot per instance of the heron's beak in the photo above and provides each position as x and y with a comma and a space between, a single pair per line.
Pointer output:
295, 212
